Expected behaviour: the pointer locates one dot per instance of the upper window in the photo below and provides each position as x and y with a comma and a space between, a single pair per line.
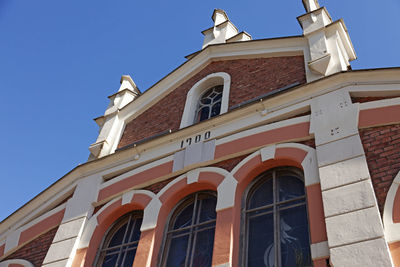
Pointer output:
190, 236
120, 243
276, 224
209, 97
209, 104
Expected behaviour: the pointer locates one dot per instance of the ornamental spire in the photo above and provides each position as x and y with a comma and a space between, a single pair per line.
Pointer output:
223, 31
310, 5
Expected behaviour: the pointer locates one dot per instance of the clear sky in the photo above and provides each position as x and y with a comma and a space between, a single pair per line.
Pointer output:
59, 60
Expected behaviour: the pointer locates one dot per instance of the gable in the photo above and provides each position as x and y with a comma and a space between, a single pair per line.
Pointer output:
250, 78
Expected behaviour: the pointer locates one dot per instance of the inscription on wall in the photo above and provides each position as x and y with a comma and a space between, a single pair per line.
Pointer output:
195, 139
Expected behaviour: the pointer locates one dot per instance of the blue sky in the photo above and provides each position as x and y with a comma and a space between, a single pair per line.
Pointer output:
59, 60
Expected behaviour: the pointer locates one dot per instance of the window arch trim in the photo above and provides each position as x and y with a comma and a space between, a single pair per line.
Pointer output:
211, 80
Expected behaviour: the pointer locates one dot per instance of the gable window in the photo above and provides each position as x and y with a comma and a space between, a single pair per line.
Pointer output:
190, 236
275, 221
209, 104
120, 243
208, 98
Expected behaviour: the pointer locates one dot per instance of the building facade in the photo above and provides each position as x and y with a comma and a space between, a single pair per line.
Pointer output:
269, 152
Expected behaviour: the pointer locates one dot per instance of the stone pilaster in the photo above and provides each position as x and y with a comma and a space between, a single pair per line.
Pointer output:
66, 240
353, 223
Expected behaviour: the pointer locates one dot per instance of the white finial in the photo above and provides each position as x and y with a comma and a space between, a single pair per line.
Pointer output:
310, 5
219, 16
128, 83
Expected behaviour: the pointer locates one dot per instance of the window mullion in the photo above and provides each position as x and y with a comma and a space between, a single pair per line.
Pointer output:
276, 221
188, 249
121, 250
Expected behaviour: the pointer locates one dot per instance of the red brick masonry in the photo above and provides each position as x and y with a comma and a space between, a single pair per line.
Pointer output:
249, 78
382, 149
35, 251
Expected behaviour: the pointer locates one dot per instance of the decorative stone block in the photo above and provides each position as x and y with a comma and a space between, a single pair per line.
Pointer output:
354, 227
348, 198
342, 173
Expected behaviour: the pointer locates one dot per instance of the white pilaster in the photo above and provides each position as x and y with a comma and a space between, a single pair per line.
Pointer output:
351, 212
78, 209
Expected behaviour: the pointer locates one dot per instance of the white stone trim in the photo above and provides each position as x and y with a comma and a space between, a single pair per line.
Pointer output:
192, 97
320, 250
392, 230
62, 194
136, 171
88, 232
12, 239
309, 163
24, 263
268, 152
126, 198
226, 192
193, 176
150, 215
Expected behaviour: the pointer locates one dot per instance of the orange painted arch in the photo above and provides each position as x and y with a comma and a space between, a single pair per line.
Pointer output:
284, 156
105, 218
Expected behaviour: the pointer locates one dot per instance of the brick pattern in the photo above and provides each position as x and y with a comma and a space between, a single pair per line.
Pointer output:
382, 149
310, 143
368, 99
35, 251
155, 188
229, 164
249, 78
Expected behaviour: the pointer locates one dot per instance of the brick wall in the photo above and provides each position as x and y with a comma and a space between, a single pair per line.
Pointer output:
249, 78
382, 149
35, 251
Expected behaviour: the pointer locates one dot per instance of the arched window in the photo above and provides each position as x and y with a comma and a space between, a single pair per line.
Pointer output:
120, 243
190, 235
209, 104
275, 221
207, 98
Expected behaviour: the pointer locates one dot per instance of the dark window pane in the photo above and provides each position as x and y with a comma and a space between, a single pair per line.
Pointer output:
203, 248
135, 236
129, 257
110, 261
205, 101
295, 245
216, 109
117, 238
208, 93
219, 88
204, 113
184, 218
115, 251
177, 252
262, 196
208, 212
218, 97
261, 241
290, 187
